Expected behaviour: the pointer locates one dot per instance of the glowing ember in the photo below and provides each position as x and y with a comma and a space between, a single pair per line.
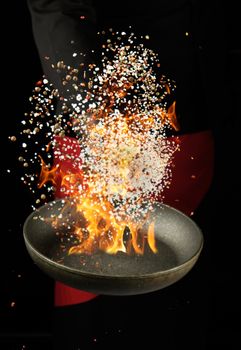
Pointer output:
118, 159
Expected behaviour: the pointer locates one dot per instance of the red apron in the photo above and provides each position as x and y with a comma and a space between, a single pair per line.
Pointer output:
191, 178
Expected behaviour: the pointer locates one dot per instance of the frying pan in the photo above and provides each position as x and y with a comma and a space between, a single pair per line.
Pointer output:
179, 241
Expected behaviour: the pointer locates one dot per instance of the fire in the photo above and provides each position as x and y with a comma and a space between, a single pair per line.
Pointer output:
104, 229
106, 232
119, 157
171, 115
47, 175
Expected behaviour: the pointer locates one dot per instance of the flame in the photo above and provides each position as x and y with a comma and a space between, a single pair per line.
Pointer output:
47, 174
106, 232
102, 229
171, 115
151, 237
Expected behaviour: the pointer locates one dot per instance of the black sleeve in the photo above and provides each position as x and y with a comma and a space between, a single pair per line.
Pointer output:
62, 29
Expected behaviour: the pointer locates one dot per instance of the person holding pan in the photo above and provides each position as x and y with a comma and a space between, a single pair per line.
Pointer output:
63, 27
189, 37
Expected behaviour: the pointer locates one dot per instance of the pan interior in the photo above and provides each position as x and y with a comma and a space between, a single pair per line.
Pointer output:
120, 264
178, 239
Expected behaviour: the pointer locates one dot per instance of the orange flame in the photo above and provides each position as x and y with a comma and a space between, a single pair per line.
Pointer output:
171, 115
47, 174
102, 230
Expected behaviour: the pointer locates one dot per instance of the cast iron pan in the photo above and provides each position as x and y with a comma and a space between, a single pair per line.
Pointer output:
179, 242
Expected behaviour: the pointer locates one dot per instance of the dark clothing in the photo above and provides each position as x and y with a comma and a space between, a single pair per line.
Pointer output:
178, 33
197, 63
59, 32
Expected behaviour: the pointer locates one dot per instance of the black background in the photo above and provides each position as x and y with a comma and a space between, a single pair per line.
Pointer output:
198, 312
